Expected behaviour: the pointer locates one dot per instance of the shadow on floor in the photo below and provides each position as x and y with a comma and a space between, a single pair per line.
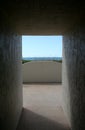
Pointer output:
32, 121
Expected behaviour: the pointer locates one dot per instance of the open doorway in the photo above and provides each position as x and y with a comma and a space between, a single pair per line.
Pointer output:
42, 93
43, 55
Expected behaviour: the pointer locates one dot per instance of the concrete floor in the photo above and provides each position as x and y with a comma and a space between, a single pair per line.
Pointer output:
42, 108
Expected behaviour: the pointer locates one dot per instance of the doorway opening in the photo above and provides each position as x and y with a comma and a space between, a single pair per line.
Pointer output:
43, 55
42, 81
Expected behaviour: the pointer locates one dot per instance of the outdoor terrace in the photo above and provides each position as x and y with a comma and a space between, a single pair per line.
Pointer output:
42, 108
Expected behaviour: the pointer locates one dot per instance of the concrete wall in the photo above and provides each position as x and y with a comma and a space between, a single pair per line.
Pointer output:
10, 80
74, 78
42, 71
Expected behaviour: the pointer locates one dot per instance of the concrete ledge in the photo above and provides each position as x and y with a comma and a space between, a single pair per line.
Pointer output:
42, 71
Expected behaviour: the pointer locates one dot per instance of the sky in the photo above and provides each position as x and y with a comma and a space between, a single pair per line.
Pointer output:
41, 46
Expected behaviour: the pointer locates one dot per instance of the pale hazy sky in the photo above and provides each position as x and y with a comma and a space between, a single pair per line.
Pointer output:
42, 46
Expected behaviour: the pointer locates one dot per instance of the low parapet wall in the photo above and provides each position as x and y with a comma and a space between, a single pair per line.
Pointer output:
42, 71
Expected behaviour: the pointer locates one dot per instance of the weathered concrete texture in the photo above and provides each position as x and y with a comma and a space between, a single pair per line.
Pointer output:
10, 80
74, 78
43, 17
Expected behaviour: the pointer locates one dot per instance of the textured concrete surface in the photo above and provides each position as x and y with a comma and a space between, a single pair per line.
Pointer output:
42, 71
74, 77
39, 17
43, 17
10, 80
42, 108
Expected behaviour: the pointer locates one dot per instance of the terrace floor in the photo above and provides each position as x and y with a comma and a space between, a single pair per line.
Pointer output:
42, 108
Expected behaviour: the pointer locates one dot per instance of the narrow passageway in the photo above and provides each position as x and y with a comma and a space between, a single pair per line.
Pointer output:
42, 108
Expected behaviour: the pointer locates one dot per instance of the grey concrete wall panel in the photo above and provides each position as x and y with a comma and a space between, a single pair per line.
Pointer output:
74, 78
42, 71
10, 80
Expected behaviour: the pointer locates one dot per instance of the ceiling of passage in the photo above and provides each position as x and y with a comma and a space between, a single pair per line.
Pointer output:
42, 17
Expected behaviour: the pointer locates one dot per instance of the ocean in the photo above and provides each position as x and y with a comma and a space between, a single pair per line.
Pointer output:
41, 58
